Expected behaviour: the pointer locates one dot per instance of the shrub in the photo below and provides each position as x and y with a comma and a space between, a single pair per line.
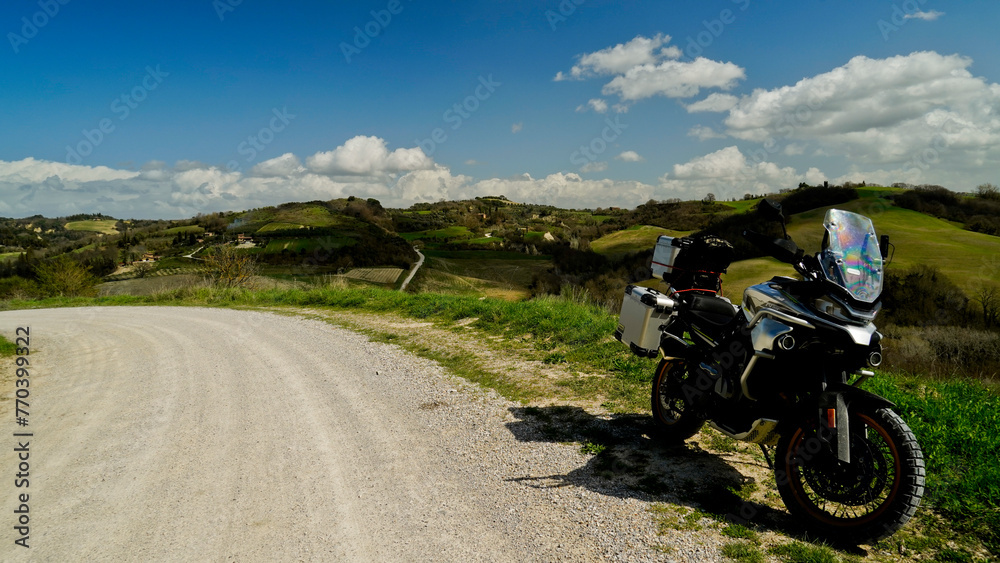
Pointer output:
65, 277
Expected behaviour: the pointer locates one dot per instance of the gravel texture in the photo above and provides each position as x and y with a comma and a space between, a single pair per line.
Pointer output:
192, 434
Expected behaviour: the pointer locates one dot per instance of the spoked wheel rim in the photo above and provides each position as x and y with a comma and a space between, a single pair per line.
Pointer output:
672, 405
845, 494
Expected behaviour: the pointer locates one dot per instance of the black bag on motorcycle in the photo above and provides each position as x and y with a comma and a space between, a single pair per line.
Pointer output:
699, 263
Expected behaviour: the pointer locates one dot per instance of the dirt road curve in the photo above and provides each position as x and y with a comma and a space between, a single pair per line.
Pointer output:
190, 434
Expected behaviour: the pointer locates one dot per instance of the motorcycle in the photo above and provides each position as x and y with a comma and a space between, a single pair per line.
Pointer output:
783, 370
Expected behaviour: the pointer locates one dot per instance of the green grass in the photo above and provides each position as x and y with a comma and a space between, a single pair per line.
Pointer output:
956, 423
743, 552
184, 230
275, 246
279, 226
9, 255
797, 552
447, 233
105, 226
742, 205
7, 347
634, 239
969, 259
482, 255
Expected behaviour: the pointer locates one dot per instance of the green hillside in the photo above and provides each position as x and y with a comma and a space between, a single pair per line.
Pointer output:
103, 226
633, 239
967, 258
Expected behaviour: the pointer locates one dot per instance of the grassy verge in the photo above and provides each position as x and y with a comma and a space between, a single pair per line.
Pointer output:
955, 421
6, 347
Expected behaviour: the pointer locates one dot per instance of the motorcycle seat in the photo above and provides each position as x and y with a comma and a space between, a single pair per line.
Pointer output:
712, 310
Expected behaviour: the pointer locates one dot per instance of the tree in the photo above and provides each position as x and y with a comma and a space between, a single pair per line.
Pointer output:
64, 276
232, 268
989, 299
988, 191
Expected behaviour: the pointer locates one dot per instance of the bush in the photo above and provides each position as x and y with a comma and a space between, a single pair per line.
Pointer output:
16, 287
65, 277
943, 351
232, 268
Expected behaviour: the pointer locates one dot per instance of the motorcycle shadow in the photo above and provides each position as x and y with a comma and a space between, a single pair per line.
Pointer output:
627, 463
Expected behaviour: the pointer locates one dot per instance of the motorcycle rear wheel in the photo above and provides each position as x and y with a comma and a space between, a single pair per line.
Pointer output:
673, 418
863, 501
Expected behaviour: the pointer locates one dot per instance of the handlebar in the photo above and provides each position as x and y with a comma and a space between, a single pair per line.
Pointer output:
782, 249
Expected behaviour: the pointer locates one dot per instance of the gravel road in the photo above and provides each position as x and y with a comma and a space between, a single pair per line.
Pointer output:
192, 434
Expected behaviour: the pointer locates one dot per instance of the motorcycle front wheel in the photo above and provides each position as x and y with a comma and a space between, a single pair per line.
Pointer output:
670, 399
859, 502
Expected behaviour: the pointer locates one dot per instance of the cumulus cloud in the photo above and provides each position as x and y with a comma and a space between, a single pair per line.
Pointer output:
714, 102
621, 57
881, 111
926, 16
728, 173
645, 67
674, 79
597, 166
630, 156
704, 133
285, 165
365, 156
596, 104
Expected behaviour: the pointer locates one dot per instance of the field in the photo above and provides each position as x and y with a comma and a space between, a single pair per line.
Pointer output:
489, 277
969, 259
9, 255
634, 239
276, 246
103, 226
439, 235
187, 229
375, 275
279, 226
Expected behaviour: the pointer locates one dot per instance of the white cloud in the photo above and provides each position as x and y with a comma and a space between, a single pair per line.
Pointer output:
621, 57
630, 156
516, 128
882, 111
596, 104
645, 67
674, 79
728, 173
704, 133
926, 16
714, 102
597, 166
364, 156
285, 165
31, 170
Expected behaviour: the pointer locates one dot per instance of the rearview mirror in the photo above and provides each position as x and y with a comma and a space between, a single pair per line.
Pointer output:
770, 209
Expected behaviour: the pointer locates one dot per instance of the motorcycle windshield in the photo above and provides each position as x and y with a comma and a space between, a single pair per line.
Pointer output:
851, 257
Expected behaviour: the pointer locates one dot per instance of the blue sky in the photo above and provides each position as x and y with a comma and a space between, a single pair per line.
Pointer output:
167, 109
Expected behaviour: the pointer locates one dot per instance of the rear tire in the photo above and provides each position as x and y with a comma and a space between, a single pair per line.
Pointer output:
861, 502
673, 418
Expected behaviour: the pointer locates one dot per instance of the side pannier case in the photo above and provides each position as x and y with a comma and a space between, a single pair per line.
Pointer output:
643, 311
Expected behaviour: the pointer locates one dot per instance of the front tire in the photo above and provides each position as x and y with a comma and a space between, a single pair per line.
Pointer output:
673, 416
863, 501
